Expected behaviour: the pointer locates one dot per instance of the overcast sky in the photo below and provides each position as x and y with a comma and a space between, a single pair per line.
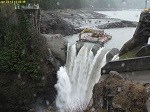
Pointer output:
131, 3
137, 3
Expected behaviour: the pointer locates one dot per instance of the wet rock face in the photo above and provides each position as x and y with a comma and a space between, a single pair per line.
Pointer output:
141, 35
118, 94
53, 24
111, 54
79, 45
144, 51
57, 45
96, 48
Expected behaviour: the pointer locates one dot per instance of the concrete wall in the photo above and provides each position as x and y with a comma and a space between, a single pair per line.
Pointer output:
129, 65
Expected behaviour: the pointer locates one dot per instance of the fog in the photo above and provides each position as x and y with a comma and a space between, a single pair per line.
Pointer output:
117, 4
93, 4
130, 4
133, 4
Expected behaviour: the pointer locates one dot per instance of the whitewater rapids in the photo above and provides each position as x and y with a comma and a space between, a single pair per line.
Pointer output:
76, 79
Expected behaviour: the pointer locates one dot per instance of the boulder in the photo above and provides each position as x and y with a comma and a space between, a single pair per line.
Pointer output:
79, 45
56, 63
140, 36
144, 51
57, 45
111, 54
96, 48
115, 93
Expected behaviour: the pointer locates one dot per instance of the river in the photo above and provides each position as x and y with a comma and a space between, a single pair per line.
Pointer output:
119, 35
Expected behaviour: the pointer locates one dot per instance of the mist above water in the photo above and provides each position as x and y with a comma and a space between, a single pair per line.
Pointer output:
116, 4
77, 78
82, 71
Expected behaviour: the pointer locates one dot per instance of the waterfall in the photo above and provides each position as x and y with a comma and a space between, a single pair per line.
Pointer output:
76, 79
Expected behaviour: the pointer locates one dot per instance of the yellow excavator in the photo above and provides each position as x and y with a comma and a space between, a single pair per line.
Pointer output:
94, 36
147, 10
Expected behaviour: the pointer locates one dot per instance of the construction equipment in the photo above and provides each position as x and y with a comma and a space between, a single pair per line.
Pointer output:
94, 36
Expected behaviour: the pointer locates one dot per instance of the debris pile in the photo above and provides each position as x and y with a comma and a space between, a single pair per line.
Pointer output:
95, 36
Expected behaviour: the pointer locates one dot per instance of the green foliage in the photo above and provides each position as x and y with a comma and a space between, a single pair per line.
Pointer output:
21, 69
19, 52
7, 9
